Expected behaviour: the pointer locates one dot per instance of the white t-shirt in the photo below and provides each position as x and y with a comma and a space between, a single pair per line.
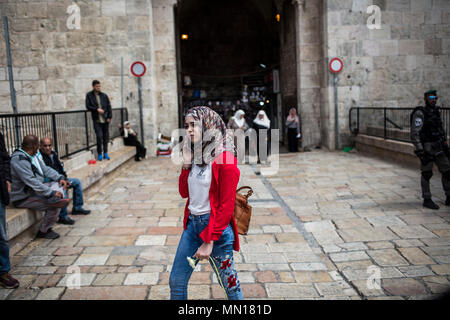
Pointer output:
199, 182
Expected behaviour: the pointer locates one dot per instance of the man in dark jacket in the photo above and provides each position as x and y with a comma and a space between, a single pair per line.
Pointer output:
6, 280
98, 103
51, 159
430, 141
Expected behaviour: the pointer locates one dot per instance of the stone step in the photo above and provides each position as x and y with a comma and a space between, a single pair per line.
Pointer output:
20, 220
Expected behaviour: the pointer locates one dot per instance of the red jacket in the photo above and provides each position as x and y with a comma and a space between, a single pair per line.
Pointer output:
222, 194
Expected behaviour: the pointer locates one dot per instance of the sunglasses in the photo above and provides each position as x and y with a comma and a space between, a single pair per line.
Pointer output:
432, 97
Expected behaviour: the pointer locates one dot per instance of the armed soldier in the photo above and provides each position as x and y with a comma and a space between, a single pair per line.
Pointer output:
429, 139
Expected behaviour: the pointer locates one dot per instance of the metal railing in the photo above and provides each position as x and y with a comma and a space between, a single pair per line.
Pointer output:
71, 131
388, 123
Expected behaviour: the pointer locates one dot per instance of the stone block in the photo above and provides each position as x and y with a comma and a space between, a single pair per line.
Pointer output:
107, 293
412, 232
403, 287
411, 47
150, 278
114, 7
348, 256
289, 290
387, 257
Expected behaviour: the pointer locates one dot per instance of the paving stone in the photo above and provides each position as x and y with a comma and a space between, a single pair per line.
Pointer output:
68, 251
365, 274
264, 258
416, 271
115, 279
301, 257
71, 281
92, 260
422, 219
199, 292
272, 229
159, 292
4, 293
106, 241
289, 290
63, 260
367, 234
436, 242
31, 261
415, 256
337, 288
369, 291
387, 257
380, 245
319, 226
45, 270
266, 276
403, 287
107, 293
289, 237
151, 240
308, 266
441, 269
50, 294
408, 243
23, 294
121, 260
142, 278
327, 237
348, 256
353, 246
385, 221
412, 232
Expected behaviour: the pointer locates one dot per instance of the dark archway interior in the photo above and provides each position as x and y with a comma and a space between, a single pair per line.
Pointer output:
232, 47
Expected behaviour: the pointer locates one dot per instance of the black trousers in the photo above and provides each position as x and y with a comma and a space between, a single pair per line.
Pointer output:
102, 133
140, 150
293, 141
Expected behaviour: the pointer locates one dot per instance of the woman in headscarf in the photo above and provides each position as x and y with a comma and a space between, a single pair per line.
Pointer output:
293, 127
208, 178
238, 121
130, 139
261, 123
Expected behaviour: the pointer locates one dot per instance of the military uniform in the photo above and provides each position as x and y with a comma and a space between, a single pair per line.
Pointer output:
429, 139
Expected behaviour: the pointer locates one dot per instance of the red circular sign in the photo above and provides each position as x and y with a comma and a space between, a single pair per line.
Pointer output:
138, 69
336, 65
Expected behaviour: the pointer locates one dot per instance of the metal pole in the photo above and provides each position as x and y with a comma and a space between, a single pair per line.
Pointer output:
121, 81
140, 111
11, 79
336, 115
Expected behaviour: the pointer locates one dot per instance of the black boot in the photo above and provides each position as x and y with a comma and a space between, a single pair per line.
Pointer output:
428, 203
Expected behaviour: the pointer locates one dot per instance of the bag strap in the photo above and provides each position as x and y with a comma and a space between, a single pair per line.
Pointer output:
249, 193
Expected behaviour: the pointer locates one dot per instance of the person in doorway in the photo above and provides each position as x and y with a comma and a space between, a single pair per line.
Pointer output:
208, 178
261, 124
130, 139
238, 121
29, 189
51, 159
98, 103
293, 130
6, 280
430, 142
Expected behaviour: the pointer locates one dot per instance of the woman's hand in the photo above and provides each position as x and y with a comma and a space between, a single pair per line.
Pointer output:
187, 154
204, 251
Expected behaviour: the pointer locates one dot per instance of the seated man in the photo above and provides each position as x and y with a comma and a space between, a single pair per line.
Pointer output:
51, 159
28, 187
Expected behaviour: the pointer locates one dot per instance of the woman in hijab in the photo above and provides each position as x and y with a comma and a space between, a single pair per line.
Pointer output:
262, 123
238, 121
293, 127
208, 179
130, 139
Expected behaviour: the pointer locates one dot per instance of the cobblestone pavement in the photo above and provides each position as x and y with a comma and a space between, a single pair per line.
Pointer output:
321, 228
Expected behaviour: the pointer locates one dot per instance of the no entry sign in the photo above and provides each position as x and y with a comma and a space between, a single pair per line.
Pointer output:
138, 69
336, 65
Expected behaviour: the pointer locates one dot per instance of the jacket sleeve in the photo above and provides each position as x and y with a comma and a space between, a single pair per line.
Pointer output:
228, 181
50, 172
417, 119
89, 105
183, 183
25, 173
109, 109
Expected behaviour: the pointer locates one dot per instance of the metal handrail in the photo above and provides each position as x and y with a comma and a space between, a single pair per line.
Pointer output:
398, 118
71, 131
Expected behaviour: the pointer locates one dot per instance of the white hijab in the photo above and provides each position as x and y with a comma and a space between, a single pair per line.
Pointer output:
237, 118
264, 121
126, 131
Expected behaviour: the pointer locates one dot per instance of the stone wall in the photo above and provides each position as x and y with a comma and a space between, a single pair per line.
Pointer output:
389, 67
54, 66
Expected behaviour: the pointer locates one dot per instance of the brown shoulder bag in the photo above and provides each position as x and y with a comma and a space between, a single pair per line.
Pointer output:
242, 210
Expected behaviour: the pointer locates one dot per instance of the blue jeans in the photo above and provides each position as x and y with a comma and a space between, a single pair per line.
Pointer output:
77, 197
5, 264
221, 260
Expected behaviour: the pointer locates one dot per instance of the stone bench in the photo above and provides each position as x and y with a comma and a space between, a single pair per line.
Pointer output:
22, 224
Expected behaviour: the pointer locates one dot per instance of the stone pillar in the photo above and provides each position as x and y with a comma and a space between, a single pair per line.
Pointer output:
164, 66
309, 59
